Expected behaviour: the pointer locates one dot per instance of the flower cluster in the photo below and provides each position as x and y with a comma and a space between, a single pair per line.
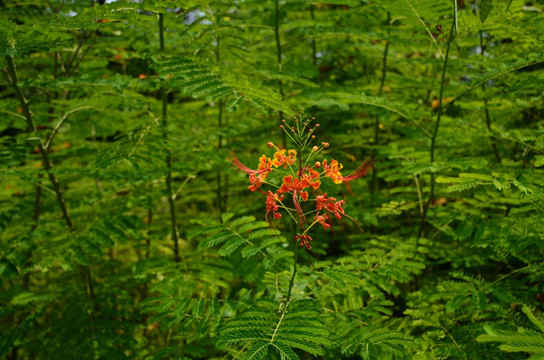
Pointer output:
300, 175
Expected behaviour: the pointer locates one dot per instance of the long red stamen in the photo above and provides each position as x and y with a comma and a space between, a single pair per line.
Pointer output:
300, 213
355, 222
241, 167
361, 171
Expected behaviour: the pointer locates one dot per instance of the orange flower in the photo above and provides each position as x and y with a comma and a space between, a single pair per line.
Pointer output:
256, 181
312, 177
295, 185
280, 158
265, 164
304, 240
271, 206
330, 204
323, 220
333, 170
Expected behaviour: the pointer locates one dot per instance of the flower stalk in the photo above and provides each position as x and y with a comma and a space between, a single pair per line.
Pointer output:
296, 178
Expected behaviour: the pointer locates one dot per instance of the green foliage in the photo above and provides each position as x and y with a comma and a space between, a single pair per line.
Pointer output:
243, 238
124, 233
271, 326
524, 340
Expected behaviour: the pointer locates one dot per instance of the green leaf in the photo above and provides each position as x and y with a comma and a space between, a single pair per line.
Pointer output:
531, 317
455, 304
215, 239
285, 351
257, 351
231, 246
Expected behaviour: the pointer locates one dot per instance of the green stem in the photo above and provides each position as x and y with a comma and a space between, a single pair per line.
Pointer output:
486, 110
292, 281
221, 204
148, 238
48, 166
278, 53
441, 94
169, 193
434, 134
314, 52
35, 217
277, 34
161, 32
374, 180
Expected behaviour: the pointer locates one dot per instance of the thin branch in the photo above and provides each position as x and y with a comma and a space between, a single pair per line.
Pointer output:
164, 96
426, 28
55, 130
53, 179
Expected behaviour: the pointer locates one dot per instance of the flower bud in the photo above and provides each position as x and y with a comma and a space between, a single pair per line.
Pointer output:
317, 165
315, 148
281, 126
270, 144
313, 136
325, 145
317, 125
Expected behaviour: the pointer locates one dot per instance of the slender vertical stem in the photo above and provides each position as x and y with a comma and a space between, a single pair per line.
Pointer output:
161, 31
314, 52
486, 110
169, 193
147, 238
292, 281
385, 52
439, 110
278, 53
277, 34
374, 180
434, 134
220, 203
55, 74
31, 126
35, 217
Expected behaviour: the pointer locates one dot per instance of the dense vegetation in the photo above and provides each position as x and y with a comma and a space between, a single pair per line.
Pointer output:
126, 231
